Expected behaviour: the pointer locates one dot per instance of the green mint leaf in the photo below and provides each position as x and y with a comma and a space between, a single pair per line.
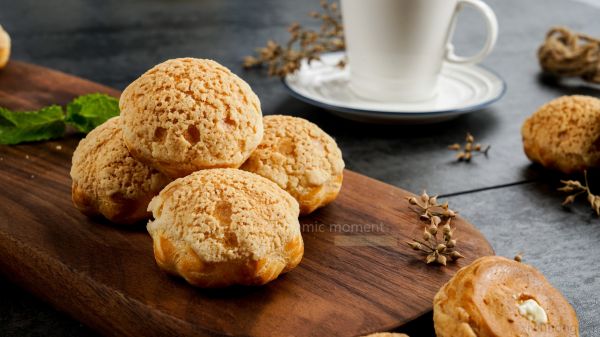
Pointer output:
29, 126
88, 111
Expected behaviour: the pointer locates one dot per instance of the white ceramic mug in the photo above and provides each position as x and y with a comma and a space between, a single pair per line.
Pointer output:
396, 48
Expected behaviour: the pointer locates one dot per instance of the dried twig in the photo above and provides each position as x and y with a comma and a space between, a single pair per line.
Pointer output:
304, 43
576, 188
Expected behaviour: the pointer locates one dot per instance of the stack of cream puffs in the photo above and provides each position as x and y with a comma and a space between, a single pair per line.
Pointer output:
223, 186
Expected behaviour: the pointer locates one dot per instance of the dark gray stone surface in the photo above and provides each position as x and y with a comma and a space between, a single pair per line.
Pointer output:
112, 42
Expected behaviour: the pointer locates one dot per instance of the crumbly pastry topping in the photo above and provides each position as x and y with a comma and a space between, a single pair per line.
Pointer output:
298, 156
189, 114
104, 169
225, 215
565, 134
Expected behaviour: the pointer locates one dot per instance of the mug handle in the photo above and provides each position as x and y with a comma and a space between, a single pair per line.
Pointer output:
492, 33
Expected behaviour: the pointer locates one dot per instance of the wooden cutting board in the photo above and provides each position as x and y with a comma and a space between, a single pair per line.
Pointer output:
357, 275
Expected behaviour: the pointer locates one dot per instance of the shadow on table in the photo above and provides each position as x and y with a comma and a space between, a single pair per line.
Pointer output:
24, 315
420, 327
568, 86
536, 172
481, 122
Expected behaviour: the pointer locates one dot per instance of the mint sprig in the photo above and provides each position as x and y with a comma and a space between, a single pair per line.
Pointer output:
28, 126
84, 113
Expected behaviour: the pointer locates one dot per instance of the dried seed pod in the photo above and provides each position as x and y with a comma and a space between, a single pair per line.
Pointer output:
451, 243
431, 258
470, 138
454, 147
446, 229
412, 201
519, 257
435, 220
424, 197
424, 216
415, 245
596, 205
250, 61
433, 229
441, 259
576, 183
440, 248
590, 198
456, 255
568, 200
447, 237
426, 235
567, 188
433, 200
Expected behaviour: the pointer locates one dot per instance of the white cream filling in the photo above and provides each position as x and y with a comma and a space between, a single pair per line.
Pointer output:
531, 310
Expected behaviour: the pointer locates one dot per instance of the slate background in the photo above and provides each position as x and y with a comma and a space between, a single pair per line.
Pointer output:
513, 203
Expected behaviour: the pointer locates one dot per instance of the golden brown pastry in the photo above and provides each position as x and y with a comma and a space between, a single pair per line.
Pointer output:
386, 334
188, 114
220, 227
4, 47
301, 158
498, 297
564, 134
109, 181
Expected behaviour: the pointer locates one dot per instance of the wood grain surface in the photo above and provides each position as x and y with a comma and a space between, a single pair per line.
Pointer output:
357, 275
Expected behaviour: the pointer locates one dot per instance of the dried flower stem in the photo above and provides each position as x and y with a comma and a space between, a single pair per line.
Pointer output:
303, 44
467, 152
579, 188
438, 250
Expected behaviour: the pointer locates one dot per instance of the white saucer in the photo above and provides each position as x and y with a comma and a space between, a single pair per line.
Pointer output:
462, 89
